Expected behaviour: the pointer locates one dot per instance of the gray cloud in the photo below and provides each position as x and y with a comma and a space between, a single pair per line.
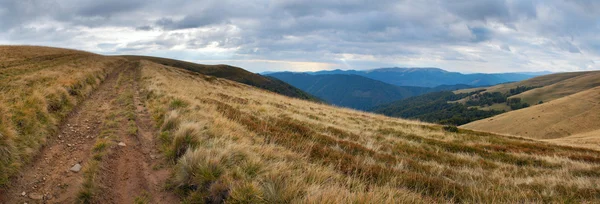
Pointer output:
492, 35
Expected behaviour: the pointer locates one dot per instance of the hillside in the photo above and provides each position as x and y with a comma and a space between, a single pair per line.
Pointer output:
430, 77
471, 104
435, 108
84, 128
582, 82
563, 117
351, 91
532, 91
234, 74
539, 81
252, 140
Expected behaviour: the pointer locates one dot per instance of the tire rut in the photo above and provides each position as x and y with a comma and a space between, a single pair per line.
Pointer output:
131, 170
48, 178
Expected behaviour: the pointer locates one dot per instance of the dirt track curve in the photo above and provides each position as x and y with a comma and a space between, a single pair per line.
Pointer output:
125, 172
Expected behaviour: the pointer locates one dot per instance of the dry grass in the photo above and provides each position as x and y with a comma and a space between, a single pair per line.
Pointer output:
561, 89
237, 144
564, 117
39, 86
539, 81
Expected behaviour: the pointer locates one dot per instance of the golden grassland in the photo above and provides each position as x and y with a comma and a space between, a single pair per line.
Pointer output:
564, 117
549, 87
561, 89
589, 139
539, 81
39, 86
234, 143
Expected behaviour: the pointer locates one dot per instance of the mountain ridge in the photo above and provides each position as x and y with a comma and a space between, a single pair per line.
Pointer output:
429, 76
355, 91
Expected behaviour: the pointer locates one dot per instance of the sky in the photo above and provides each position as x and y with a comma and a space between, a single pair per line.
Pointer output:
308, 35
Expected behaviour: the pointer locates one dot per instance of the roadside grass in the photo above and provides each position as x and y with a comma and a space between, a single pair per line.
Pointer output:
235, 144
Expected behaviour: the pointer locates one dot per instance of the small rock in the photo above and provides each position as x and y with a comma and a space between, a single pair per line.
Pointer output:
152, 156
23, 194
36, 196
76, 168
122, 144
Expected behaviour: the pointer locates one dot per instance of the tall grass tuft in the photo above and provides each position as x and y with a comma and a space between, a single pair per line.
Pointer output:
7, 148
171, 121
187, 136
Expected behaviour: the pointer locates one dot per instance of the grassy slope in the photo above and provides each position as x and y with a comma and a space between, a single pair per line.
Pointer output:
39, 87
539, 81
240, 144
588, 139
562, 88
234, 74
544, 80
570, 115
552, 86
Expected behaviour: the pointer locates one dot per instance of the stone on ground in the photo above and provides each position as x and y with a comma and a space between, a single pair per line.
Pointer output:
76, 168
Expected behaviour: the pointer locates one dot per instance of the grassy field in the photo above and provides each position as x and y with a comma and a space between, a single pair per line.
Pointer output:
235, 143
561, 89
540, 81
589, 139
39, 86
564, 117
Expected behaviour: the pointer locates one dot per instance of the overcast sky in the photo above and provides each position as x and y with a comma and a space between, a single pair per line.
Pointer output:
309, 35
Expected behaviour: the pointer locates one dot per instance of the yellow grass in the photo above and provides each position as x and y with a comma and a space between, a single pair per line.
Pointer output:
589, 139
536, 82
38, 87
561, 89
570, 115
235, 143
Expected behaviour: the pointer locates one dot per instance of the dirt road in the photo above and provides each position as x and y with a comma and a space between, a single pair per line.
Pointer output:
130, 168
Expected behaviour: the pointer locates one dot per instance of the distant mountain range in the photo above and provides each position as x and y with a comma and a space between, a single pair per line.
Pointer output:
431, 77
355, 91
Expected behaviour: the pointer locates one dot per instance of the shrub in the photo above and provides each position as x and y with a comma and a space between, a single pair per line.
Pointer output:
450, 128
